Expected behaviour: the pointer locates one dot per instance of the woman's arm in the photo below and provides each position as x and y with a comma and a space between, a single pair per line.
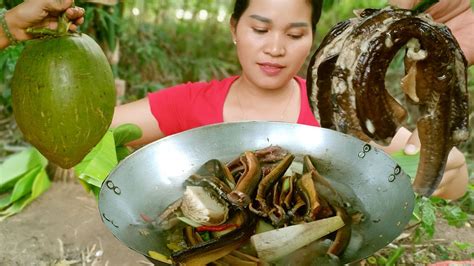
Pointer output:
138, 113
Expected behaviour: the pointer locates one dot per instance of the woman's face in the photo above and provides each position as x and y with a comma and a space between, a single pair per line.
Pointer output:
273, 38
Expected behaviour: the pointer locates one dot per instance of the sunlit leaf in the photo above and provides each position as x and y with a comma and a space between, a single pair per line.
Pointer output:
95, 167
438, 201
25, 184
15, 208
454, 215
428, 216
18, 164
40, 185
462, 245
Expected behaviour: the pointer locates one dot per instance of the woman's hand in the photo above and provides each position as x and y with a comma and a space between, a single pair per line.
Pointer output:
41, 14
457, 15
455, 178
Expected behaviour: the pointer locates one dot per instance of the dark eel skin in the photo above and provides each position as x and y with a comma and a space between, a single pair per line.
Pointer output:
346, 84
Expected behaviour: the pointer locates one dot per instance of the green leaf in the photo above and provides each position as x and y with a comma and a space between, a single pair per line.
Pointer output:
328, 4
454, 215
111, 34
395, 255
428, 216
436, 201
462, 245
125, 133
5, 200
25, 184
90, 188
122, 152
18, 164
467, 201
15, 208
409, 163
443, 252
88, 18
40, 185
102, 15
95, 167
3, 59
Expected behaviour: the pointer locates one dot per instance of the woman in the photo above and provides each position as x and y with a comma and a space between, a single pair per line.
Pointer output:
273, 39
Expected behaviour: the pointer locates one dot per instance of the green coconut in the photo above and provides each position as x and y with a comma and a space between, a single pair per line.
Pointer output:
63, 96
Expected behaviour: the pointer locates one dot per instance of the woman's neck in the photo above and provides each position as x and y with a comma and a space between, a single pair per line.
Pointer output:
249, 102
246, 88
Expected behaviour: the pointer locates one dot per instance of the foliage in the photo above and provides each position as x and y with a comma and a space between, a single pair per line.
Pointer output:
102, 22
425, 218
337, 10
23, 178
8, 58
173, 52
100, 161
10, 3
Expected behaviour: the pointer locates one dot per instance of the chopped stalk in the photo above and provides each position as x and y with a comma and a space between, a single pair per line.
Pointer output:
278, 243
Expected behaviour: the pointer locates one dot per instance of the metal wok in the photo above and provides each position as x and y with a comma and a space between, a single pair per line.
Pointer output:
150, 179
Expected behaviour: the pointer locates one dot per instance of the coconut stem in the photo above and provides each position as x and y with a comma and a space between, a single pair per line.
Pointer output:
63, 28
63, 24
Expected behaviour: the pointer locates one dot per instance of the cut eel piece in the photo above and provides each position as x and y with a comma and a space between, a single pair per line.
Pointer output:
347, 84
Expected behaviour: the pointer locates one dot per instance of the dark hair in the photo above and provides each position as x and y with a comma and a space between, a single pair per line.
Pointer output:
241, 5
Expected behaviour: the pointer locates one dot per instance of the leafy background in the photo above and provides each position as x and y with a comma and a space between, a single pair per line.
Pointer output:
153, 50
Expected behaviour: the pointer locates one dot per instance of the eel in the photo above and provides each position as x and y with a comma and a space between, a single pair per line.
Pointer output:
346, 84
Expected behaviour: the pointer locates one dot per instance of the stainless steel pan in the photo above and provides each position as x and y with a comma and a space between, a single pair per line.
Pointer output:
151, 178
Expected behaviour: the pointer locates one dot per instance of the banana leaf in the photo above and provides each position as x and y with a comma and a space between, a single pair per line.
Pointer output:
15, 166
25, 184
5, 200
40, 184
95, 167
